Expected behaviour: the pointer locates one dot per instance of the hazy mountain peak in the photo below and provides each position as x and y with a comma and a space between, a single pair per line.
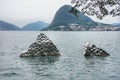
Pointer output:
8, 26
116, 24
35, 26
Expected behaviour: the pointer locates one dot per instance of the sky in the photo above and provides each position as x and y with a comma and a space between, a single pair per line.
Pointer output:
23, 12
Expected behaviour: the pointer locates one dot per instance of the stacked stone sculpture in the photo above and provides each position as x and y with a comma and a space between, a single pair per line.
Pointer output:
91, 50
43, 46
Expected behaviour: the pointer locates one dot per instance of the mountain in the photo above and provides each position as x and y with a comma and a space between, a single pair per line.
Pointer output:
36, 26
7, 26
63, 18
66, 21
116, 24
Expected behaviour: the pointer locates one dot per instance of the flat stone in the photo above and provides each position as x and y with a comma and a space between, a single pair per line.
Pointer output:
43, 46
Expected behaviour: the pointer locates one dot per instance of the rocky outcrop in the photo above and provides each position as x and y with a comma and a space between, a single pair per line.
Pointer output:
91, 50
43, 46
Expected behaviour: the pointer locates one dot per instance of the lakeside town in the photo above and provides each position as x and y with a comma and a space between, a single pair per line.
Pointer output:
76, 27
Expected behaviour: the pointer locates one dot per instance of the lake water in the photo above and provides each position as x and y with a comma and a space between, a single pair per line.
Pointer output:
72, 65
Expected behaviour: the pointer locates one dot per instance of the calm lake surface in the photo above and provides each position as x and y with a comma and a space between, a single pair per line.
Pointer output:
72, 65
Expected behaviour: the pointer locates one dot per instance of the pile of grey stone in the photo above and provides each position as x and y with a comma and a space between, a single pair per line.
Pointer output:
43, 46
91, 50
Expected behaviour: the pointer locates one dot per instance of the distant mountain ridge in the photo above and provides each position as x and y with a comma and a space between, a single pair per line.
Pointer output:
66, 21
116, 24
36, 26
7, 26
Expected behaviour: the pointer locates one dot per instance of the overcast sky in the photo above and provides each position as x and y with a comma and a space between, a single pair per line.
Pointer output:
22, 12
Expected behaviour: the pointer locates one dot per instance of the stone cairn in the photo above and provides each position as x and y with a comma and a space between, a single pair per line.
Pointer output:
91, 50
43, 46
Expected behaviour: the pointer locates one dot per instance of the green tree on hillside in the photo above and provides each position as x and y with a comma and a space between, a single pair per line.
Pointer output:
98, 8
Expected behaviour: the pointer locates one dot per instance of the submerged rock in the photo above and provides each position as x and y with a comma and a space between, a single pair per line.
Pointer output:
43, 46
91, 50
